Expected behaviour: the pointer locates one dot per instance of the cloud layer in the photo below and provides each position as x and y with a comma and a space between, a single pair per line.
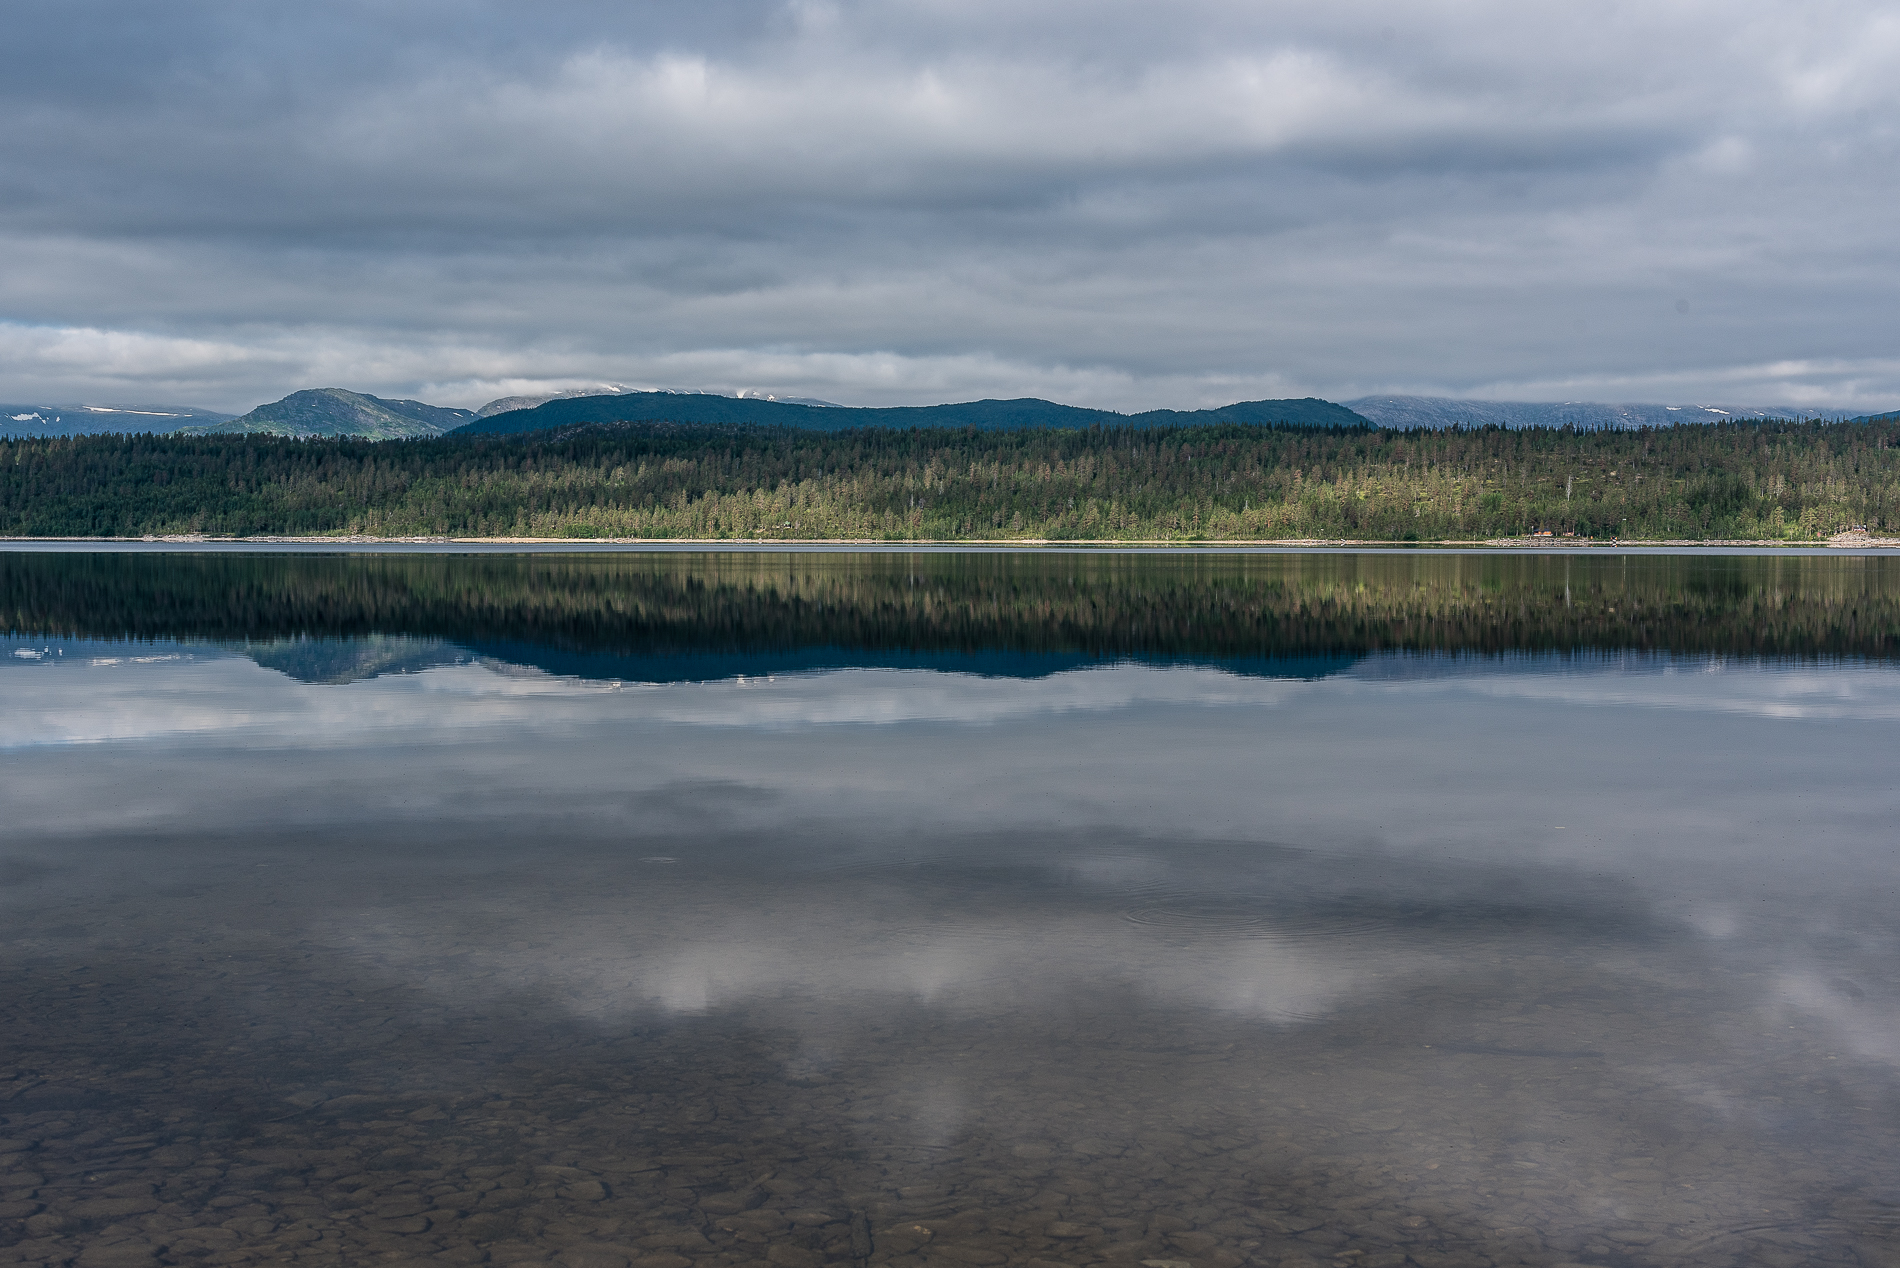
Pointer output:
1115, 204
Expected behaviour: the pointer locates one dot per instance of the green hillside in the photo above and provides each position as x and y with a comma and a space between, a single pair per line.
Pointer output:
332, 411
1784, 481
1024, 412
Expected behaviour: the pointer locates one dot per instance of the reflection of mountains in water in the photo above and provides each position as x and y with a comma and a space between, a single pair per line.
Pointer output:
337, 660
340, 660
690, 615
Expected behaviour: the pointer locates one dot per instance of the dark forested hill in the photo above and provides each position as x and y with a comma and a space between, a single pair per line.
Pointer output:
1785, 481
1026, 412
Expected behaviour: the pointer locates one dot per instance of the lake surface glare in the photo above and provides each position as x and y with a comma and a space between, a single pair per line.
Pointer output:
938, 911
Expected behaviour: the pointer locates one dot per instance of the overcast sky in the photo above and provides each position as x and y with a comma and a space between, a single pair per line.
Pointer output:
1108, 203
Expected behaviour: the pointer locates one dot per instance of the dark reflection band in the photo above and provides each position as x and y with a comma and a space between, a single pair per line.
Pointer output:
1003, 612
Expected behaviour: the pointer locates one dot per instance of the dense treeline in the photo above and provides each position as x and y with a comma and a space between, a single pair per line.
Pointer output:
1785, 481
1094, 604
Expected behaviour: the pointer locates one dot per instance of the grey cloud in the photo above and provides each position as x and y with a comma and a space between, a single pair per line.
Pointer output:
1112, 204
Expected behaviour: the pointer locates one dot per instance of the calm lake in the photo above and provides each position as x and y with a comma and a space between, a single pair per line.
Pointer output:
943, 910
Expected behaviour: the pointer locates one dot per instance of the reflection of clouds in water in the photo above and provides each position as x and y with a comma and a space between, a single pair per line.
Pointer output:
212, 698
817, 922
1866, 1026
935, 1105
231, 696
209, 696
1758, 689
885, 696
612, 969
460, 766
1712, 920
1428, 768
1120, 871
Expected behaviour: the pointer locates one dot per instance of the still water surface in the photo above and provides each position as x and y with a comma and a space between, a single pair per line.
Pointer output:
1194, 912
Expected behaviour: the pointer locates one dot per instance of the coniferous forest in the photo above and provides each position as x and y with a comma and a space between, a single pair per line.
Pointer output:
1782, 481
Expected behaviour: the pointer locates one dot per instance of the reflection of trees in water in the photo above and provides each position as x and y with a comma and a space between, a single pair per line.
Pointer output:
1106, 604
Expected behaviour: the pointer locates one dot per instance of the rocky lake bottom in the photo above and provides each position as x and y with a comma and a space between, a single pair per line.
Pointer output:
240, 1096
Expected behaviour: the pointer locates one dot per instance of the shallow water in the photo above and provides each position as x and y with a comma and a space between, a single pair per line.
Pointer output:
949, 911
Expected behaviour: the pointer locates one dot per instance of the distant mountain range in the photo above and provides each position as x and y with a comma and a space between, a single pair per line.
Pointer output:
331, 411
505, 404
92, 420
1406, 412
337, 412
1026, 412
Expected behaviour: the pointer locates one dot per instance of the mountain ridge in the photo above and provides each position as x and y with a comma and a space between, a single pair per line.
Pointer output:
1408, 412
985, 415
339, 412
335, 411
94, 420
